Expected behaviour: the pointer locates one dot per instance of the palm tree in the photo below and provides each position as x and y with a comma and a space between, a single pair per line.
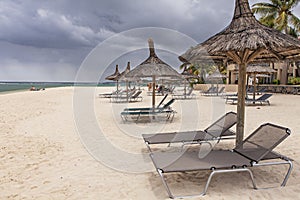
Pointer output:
278, 14
201, 70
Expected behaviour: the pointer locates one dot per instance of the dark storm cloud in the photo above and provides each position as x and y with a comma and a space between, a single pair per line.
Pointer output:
52, 35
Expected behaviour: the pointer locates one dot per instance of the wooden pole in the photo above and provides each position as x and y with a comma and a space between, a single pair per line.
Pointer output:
153, 92
254, 86
241, 103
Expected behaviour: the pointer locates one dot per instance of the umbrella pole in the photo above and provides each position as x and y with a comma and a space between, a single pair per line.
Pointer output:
117, 86
153, 92
127, 94
217, 88
241, 103
254, 86
185, 88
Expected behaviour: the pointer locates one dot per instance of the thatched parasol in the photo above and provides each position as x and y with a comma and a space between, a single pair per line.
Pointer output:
187, 75
114, 77
216, 77
153, 67
255, 70
245, 40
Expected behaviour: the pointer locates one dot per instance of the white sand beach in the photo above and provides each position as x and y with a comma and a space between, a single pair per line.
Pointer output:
42, 155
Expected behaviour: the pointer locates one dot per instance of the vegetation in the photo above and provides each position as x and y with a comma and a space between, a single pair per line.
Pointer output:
294, 81
276, 81
202, 71
278, 14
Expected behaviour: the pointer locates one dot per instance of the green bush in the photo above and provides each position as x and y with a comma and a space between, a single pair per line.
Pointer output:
294, 80
276, 81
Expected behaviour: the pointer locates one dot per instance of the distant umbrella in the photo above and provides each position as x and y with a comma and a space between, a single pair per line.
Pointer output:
187, 75
114, 76
254, 70
245, 40
216, 77
153, 67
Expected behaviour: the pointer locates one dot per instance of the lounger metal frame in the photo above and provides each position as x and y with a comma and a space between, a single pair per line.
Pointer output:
166, 112
193, 140
267, 156
230, 170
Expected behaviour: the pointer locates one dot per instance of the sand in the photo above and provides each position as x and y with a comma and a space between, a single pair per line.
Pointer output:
42, 155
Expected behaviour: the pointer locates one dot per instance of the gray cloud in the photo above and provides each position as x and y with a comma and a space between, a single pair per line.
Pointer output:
55, 34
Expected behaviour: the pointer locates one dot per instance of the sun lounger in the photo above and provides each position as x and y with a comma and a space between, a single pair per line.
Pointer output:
255, 150
188, 95
109, 95
220, 129
132, 97
165, 112
212, 90
147, 108
262, 100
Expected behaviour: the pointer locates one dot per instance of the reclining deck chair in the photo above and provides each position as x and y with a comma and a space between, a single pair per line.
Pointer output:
165, 111
220, 129
211, 90
255, 150
189, 95
132, 96
263, 99
147, 108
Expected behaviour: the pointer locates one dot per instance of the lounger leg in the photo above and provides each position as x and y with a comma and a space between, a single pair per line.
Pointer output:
160, 172
148, 146
228, 171
288, 173
165, 184
287, 162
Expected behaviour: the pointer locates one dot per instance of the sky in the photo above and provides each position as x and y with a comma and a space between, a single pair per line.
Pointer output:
49, 40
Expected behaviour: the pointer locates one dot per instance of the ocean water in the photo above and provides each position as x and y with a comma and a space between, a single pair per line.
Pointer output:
21, 86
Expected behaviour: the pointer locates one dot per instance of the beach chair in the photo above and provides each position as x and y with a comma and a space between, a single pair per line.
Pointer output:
136, 97
219, 130
210, 91
255, 150
262, 99
133, 96
147, 108
188, 95
215, 92
165, 112
109, 95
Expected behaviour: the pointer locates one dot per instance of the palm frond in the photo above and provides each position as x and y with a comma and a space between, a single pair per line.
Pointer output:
281, 22
295, 21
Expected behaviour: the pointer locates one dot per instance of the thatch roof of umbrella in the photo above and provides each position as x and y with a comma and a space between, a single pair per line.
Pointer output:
115, 75
256, 69
153, 67
245, 40
245, 34
125, 71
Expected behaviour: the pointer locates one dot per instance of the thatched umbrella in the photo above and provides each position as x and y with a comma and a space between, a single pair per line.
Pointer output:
122, 77
114, 77
216, 76
255, 70
243, 41
187, 75
153, 67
